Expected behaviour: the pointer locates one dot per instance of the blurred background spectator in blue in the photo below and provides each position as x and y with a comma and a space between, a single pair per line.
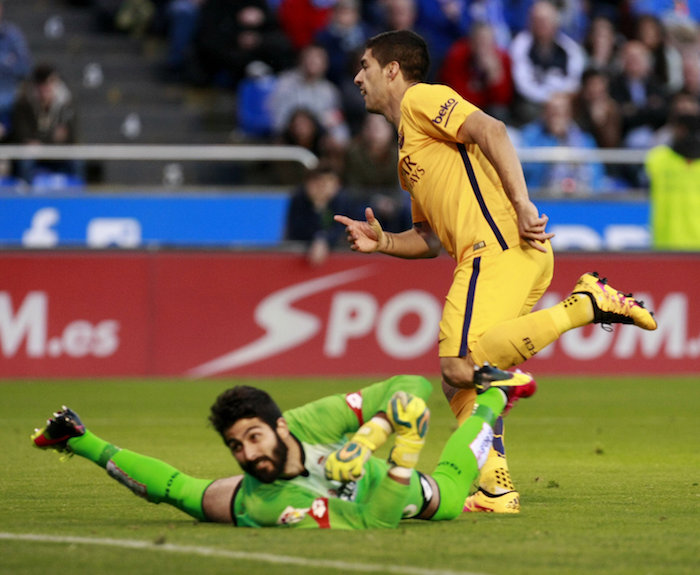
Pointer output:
181, 24
15, 66
310, 214
442, 23
480, 71
492, 13
557, 127
44, 114
343, 36
545, 61
371, 174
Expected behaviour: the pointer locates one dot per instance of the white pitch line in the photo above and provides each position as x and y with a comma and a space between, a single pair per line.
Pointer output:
242, 555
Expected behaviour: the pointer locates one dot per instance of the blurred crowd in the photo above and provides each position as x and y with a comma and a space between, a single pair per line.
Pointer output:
579, 73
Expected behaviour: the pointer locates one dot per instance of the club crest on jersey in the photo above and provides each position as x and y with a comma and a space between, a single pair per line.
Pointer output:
445, 111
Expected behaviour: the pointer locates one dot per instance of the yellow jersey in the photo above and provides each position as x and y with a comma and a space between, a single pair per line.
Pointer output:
453, 186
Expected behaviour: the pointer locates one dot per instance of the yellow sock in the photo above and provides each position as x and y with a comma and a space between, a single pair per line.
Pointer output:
512, 342
462, 404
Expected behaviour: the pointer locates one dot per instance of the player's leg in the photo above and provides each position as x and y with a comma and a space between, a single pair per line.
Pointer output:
485, 294
514, 339
147, 477
458, 467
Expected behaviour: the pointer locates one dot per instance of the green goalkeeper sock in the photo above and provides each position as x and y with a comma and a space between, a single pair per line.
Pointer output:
465, 452
147, 477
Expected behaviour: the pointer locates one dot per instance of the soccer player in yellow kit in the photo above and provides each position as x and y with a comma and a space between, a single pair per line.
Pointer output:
469, 196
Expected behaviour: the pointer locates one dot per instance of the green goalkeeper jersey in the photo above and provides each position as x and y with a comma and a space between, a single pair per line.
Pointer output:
312, 501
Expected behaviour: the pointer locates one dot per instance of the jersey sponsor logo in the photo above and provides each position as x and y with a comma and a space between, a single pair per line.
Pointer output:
444, 112
410, 172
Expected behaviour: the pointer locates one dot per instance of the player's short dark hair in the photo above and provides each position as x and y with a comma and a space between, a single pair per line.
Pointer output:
405, 47
243, 402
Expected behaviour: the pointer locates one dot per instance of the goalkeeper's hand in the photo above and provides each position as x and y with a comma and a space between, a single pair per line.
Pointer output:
348, 463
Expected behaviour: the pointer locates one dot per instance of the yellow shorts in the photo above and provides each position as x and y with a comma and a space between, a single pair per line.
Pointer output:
489, 290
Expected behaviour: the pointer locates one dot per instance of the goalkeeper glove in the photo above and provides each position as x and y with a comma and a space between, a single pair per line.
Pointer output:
409, 417
347, 463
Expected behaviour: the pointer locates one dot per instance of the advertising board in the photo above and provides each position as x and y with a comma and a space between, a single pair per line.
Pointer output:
212, 314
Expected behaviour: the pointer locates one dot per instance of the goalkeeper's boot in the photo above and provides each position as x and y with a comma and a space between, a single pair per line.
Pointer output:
612, 306
410, 418
515, 384
59, 429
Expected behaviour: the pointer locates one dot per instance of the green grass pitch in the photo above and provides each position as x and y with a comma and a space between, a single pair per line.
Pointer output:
608, 471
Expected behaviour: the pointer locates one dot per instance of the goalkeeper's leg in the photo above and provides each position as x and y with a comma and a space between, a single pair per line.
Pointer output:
150, 478
466, 452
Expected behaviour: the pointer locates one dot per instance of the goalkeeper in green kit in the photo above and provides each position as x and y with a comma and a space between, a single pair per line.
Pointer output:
313, 466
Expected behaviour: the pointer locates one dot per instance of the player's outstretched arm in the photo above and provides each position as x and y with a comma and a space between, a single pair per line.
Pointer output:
368, 237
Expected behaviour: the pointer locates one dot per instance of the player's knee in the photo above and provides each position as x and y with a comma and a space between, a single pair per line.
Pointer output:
457, 372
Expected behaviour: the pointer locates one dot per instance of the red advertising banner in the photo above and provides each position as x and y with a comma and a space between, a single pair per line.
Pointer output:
211, 314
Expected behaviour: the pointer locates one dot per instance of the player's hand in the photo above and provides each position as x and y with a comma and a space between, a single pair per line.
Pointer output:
348, 463
366, 237
532, 226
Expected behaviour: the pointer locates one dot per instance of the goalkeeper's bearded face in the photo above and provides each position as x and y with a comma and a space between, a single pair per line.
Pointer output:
258, 448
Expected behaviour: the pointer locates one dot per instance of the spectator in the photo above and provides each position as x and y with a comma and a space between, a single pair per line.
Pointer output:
642, 101
545, 61
306, 86
443, 22
596, 111
683, 104
342, 38
311, 210
558, 128
182, 21
303, 129
232, 34
602, 44
301, 20
371, 174
492, 13
480, 71
44, 114
667, 64
15, 66
691, 72
674, 173
440, 22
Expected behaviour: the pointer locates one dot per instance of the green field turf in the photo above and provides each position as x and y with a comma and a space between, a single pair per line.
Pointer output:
608, 472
